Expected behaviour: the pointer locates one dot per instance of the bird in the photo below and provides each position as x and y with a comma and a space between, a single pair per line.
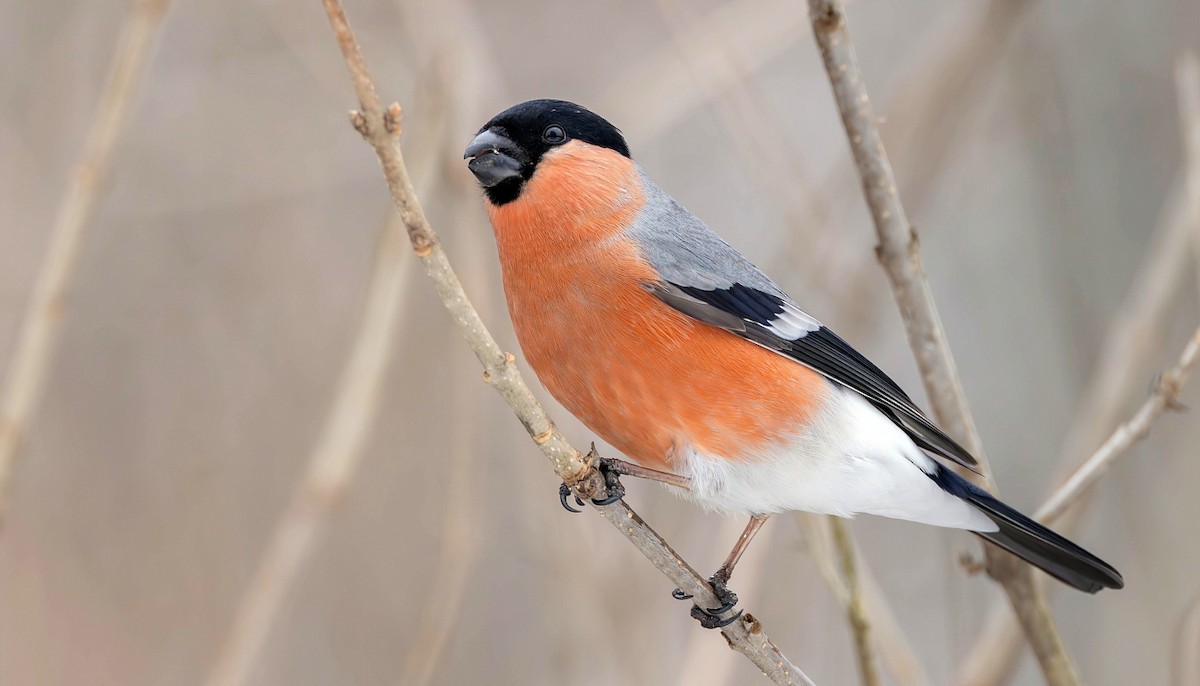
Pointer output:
675, 349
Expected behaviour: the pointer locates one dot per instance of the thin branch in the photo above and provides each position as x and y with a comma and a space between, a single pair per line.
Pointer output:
1131, 340
1165, 396
860, 622
699, 663
331, 467
895, 649
381, 128
898, 252
38, 337
898, 249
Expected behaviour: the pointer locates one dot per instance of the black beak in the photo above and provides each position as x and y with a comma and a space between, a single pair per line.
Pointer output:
492, 158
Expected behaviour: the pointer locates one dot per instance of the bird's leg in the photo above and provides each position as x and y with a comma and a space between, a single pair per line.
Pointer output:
613, 469
709, 618
726, 569
623, 468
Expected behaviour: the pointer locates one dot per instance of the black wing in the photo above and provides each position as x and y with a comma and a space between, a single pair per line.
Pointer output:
776, 324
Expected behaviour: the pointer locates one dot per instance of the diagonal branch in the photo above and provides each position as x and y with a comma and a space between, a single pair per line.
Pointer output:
43, 319
895, 649
331, 467
899, 253
1165, 397
381, 128
1132, 338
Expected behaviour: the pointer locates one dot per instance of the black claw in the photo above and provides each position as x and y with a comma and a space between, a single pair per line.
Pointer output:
724, 608
563, 493
678, 594
601, 502
710, 618
612, 482
710, 622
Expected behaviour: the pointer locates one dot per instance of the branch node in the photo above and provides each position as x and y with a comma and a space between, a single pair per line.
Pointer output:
421, 245
544, 436
914, 241
971, 564
359, 122
393, 118
828, 18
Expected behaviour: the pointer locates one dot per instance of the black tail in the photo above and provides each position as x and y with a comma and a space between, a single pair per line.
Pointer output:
1031, 541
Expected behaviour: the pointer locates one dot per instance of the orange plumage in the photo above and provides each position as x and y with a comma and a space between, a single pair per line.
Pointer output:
636, 371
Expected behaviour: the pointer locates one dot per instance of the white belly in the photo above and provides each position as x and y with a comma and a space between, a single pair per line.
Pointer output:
851, 459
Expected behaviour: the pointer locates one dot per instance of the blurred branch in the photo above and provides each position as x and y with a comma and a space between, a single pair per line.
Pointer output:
1185, 668
893, 644
1132, 338
656, 92
381, 128
1187, 86
899, 253
928, 115
860, 622
1165, 396
895, 648
30, 363
458, 543
331, 467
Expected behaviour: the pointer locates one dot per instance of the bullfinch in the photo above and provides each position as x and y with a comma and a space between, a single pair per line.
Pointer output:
680, 353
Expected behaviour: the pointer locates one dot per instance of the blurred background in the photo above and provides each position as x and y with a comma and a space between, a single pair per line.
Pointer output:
217, 296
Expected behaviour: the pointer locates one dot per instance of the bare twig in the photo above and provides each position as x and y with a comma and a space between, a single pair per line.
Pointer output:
898, 252
381, 128
700, 664
1165, 396
898, 249
1131, 340
39, 330
331, 467
860, 623
896, 651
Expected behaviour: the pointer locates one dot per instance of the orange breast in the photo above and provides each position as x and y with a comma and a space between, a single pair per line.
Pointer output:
643, 376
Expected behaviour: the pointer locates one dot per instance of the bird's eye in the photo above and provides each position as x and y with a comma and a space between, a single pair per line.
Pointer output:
554, 134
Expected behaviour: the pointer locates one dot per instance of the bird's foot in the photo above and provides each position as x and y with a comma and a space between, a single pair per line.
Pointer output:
710, 618
613, 487
612, 481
